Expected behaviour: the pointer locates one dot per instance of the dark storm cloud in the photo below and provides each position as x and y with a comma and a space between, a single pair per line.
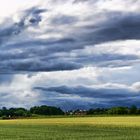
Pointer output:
48, 44
67, 104
118, 26
88, 97
33, 66
91, 92
54, 54
125, 102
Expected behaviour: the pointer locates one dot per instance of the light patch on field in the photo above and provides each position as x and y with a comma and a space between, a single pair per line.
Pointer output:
108, 121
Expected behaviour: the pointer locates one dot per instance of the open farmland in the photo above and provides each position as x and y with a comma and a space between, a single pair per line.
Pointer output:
82, 128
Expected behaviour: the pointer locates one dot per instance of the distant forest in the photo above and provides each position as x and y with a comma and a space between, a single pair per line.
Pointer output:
13, 113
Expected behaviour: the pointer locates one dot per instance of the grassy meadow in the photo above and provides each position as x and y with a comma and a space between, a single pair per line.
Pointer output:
79, 128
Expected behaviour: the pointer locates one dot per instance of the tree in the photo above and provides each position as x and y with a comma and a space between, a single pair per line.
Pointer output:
133, 109
118, 110
46, 110
20, 113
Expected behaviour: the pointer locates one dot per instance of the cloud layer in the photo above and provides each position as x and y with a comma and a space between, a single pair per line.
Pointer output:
79, 50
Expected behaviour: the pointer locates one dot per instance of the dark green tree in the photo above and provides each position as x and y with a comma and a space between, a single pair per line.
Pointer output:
133, 109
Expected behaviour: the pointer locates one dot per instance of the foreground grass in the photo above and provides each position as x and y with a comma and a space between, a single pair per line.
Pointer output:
87, 128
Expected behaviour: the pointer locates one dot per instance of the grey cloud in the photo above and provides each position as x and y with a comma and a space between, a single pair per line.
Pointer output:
29, 17
47, 53
91, 92
125, 102
25, 48
82, 1
10, 100
118, 26
107, 60
88, 97
63, 19
33, 66
6, 78
67, 104
32, 15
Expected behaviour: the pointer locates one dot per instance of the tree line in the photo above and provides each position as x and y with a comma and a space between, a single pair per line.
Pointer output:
10, 113
120, 110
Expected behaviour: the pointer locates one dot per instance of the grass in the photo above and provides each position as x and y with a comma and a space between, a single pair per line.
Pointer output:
82, 128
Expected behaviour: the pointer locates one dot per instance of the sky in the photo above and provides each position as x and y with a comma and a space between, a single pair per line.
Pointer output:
74, 54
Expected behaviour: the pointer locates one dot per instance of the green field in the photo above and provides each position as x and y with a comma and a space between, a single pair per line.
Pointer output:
80, 128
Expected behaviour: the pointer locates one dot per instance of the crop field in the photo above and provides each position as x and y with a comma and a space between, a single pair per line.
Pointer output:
79, 128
